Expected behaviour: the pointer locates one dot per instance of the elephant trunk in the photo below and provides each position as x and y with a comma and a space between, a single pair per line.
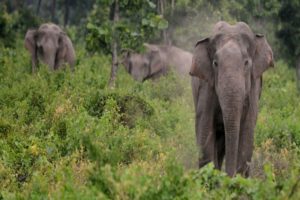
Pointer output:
48, 52
231, 97
50, 61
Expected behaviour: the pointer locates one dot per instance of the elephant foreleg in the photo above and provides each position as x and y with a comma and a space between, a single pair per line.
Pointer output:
246, 140
207, 145
34, 63
205, 131
245, 151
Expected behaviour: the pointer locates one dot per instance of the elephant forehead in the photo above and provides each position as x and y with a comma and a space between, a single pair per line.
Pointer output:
221, 26
139, 59
48, 35
47, 43
241, 40
229, 50
50, 26
42, 39
224, 27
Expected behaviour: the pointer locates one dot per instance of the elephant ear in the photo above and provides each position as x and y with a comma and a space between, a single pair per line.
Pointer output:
62, 46
30, 41
154, 57
263, 58
201, 64
125, 59
155, 61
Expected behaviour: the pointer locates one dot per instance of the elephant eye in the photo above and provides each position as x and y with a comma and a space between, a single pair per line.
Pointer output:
130, 67
146, 64
246, 62
215, 63
40, 49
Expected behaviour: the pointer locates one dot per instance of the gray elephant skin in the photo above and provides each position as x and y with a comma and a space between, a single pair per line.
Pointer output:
51, 45
226, 71
157, 61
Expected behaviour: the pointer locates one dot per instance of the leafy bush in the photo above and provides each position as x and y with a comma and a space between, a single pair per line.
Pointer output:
65, 135
130, 107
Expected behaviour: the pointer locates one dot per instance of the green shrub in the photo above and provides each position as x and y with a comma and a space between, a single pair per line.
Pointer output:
130, 107
65, 135
5, 127
114, 143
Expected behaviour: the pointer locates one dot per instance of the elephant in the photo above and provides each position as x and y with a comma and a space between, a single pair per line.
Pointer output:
226, 75
157, 61
50, 44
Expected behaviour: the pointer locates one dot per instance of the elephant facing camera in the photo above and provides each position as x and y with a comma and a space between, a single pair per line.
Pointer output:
50, 45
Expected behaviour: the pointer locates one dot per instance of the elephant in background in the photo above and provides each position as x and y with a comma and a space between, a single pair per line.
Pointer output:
157, 61
226, 71
51, 45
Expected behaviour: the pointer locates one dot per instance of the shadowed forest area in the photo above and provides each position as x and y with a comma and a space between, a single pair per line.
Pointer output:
96, 133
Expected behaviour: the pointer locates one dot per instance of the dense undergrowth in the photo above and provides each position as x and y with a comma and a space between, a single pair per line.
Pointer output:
66, 135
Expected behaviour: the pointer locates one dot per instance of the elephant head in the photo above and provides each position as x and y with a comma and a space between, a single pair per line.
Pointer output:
231, 61
144, 66
50, 44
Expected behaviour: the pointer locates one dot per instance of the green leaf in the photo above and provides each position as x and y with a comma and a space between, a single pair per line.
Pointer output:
163, 24
90, 26
145, 22
151, 4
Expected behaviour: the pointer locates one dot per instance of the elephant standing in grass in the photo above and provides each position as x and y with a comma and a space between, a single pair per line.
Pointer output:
226, 71
50, 44
157, 61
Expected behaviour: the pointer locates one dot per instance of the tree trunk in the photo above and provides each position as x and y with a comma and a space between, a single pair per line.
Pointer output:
169, 30
161, 10
38, 7
66, 13
172, 7
29, 2
53, 10
17, 5
114, 66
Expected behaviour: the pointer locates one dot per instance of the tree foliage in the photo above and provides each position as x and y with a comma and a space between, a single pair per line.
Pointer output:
138, 22
13, 24
289, 33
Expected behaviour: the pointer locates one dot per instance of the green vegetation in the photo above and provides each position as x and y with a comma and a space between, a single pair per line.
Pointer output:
138, 22
65, 135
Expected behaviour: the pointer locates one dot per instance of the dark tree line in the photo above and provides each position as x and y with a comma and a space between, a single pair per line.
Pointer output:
289, 33
59, 11
188, 20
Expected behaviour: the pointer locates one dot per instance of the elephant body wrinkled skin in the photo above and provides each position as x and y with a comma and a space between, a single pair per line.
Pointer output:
51, 45
226, 72
157, 61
